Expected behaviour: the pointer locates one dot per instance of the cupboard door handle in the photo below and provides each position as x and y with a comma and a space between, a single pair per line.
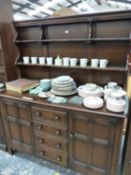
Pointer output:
71, 135
42, 153
40, 127
129, 161
57, 117
58, 145
41, 140
59, 158
38, 113
58, 132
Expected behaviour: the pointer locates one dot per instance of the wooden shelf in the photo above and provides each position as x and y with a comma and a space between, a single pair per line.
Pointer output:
110, 68
74, 40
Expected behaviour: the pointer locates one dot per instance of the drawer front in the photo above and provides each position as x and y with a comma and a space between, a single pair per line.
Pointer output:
50, 154
49, 115
56, 131
56, 143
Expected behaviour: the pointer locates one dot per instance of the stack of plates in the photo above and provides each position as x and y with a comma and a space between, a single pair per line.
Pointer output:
63, 86
93, 102
90, 89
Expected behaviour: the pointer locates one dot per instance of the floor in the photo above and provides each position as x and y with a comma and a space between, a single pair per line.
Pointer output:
21, 164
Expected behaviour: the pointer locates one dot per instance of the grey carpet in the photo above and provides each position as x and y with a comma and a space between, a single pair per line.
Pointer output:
21, 164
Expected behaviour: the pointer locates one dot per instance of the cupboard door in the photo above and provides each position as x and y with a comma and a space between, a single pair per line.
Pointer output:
2, 135
93, 145
17, 119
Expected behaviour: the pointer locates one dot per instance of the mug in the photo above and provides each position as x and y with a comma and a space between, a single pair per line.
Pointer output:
41, 60
73, 61
94, 62
34, 60
103, 63
83, 62
26, 60
49, 60
66, 61
45, 84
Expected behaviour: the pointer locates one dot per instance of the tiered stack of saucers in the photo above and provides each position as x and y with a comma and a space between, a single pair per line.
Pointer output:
63, 86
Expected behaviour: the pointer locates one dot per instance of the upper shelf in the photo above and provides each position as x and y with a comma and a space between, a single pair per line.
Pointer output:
74, 40
88, 67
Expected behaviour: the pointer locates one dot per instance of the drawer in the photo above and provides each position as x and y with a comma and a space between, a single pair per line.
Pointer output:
50, 154
46, 128
49, 115
56, 143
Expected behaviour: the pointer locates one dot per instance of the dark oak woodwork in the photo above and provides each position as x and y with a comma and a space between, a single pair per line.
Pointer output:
17, 121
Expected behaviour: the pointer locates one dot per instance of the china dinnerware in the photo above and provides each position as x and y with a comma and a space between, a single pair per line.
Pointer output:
26, 60
103, 63
112, 84
57, 99
94, 62
34, 60
93, 102
73, 61
115, 105
41, 60
58, 62
66, 61
45, 84
49, 60
83, 62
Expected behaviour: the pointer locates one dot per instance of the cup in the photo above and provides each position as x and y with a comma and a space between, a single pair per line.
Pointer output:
94, 62
73, 61
34, 60
41, 60
45, 84
26, 60
83, 62
66, 61
49, 60
103, 63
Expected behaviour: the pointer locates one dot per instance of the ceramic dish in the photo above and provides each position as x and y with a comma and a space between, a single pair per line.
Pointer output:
83, 91
2, 85
45, 94
57, 99
115, 105
93, 102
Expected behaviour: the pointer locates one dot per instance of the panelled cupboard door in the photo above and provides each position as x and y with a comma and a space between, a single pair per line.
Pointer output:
17, 120
93, 144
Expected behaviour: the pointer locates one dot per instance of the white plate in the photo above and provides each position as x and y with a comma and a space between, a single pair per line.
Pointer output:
93, 102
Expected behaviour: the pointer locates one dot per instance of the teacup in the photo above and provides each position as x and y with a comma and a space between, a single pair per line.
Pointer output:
49, 60
34, 60
73, 61
83, 62
103, 63
45, 84
58, 62
94, 62
41, 60
26, 60
66, 61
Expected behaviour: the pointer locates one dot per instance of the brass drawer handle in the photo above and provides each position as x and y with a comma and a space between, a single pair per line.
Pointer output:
58, 132
41, 140
38, 113
40, 127
57, 117
28, 124
42, 153
58, 145
59, 158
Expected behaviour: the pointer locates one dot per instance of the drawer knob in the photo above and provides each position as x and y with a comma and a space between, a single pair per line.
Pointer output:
58, 145
58, 132
57, 117
42, 153
40, 127
38, 113
41, 140
71, 135
59, 158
